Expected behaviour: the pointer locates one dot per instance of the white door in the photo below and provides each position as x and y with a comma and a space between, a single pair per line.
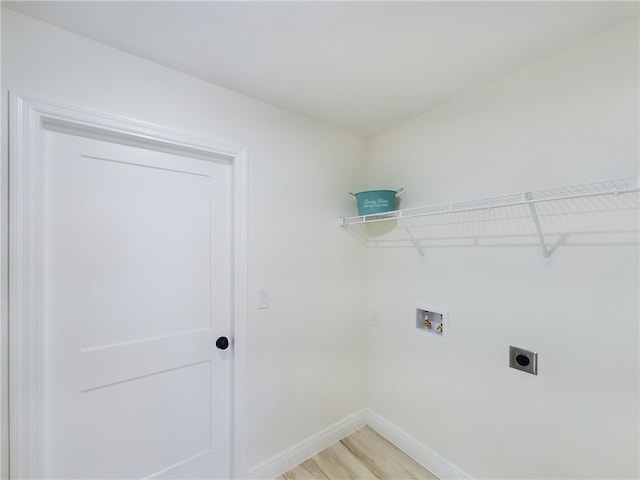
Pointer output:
137, 288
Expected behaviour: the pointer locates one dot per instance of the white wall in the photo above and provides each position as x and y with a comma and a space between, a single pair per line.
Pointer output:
307, 352
570, 118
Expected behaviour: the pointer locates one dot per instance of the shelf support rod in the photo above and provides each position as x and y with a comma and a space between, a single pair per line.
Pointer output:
546, 254
416, 243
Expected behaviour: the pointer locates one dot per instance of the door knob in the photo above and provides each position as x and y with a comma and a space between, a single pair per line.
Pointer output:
222, 343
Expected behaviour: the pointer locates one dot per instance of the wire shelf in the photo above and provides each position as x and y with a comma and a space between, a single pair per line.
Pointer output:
533, 217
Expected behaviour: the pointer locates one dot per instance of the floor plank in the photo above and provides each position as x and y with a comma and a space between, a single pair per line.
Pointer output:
398, 462
338, 462
362, 455
307, 470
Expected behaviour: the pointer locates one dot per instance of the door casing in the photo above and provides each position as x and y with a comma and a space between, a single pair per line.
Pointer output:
29, 118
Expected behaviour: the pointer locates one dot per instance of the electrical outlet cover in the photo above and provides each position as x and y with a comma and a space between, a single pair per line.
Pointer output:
524, 360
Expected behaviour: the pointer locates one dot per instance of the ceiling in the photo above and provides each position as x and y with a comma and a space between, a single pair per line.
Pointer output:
362, 66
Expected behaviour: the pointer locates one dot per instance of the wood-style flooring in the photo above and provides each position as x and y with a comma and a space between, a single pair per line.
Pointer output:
363, 454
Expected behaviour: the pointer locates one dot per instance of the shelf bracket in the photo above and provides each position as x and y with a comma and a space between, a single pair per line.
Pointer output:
546, 253
416, 243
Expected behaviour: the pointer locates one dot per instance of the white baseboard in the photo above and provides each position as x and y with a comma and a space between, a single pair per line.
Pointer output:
286, 460
430, 460
295, 455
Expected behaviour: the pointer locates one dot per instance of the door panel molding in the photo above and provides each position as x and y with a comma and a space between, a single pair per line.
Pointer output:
29, 119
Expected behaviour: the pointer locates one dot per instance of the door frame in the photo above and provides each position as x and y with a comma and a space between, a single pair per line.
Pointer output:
29, 119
